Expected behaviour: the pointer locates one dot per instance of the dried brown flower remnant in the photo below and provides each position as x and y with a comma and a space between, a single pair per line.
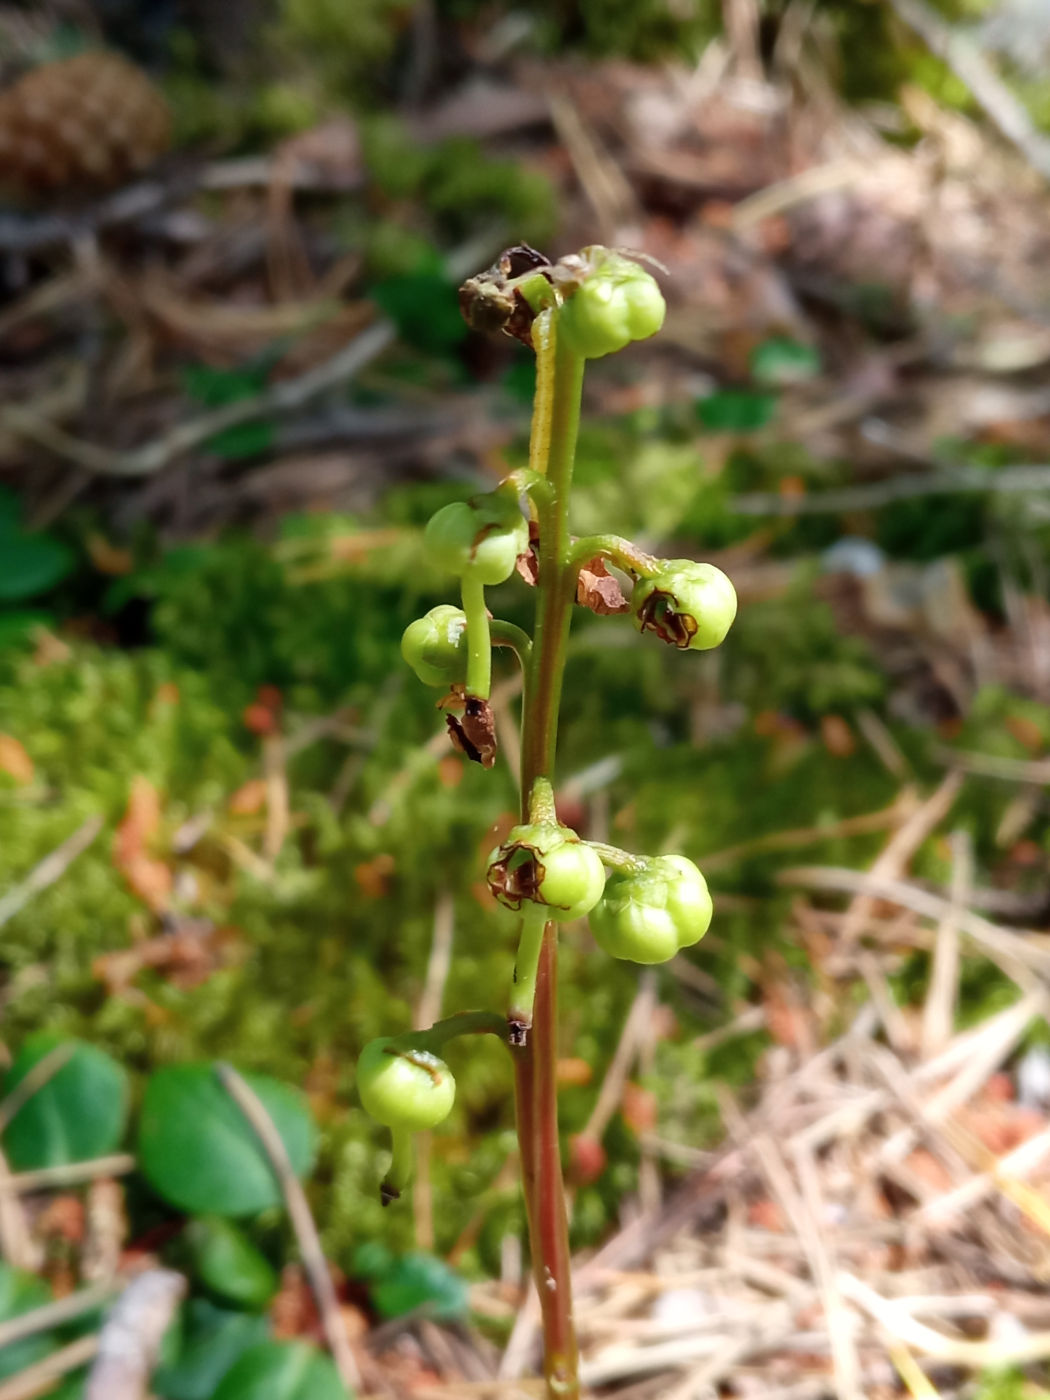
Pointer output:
491, 303
658, 614
517, 878
88, 122
528, 564
474, 734
597, 589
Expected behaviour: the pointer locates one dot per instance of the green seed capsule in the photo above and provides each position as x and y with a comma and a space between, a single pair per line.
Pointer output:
547, 864
688, 605
616, 302
646, 916
404, 1088
435, 646
480, 539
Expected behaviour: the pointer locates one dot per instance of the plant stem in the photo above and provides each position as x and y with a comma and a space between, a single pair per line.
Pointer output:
506, 634
556, 584
526, 966
555, 424
435, 1037
618, 551
616, 859
479, 645
402, 1161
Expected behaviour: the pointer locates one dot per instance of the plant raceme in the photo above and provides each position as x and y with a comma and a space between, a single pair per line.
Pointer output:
642, 909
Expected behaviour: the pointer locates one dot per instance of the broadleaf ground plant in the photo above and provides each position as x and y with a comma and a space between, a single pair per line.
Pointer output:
642, 909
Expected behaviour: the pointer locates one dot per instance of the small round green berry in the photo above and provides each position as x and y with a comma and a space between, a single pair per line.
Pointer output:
435, 646
648, 915
480, 539
404, 1088
615, 302
687, 604
546, 863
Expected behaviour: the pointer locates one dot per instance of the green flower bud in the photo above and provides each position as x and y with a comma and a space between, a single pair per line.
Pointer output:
616, 301
435, 646
480, 538
687, 605
646, 916
546, 863
404, 1089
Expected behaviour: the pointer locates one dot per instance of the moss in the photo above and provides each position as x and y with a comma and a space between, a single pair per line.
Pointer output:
313, 963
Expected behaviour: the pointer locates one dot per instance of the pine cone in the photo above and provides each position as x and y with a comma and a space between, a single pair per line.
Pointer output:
83, 123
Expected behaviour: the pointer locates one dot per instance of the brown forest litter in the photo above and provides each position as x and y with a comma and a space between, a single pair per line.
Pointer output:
878, 1222
769, 200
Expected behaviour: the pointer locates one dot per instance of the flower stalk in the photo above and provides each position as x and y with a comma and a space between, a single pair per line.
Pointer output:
642, 909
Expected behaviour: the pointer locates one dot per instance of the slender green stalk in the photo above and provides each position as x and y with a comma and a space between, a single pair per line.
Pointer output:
435, 1037
506, 634
402, 1165
526, 965
479, 643
555, 425
618, 551
616, 859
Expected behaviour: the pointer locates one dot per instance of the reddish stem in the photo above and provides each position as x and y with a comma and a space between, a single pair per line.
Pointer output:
536, 1064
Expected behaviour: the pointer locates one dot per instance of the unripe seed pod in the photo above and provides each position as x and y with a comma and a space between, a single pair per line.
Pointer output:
646, 916
687, 604
404, 1088
615, 302
480, 539
546, 863
435, 646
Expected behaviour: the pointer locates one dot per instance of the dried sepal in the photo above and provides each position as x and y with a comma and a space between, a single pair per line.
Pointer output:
491, 303
473, 733
528, 562
599, 590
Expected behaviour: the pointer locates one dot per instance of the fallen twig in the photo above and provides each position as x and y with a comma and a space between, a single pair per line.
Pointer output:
893, 860
302, 1221
960, 52
35, 1080
129, 1343
41, 1377
938, 1013
1004, 946
55, 1314
50, 869
957, 481
16, 1241
957, 1351
278, 398
69, 1174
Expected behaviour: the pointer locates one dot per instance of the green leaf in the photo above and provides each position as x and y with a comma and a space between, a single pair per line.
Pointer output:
226, 1262
425, 308
249, 439
71, 1388
282, 1371
420, 1281
736, 410
22, 1293
79, 1113
199, 1152
16, 626
10, 513
215, 388
31, 564
781, 361
213, 1340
